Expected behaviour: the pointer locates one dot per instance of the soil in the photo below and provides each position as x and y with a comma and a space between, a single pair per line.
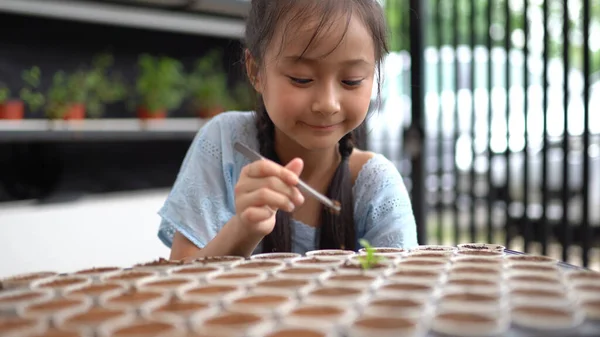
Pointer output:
535, 279
537, 293
389, 250
407, 287
416, 273
585, 275
258, 265
429, 255
282, 283
436, 249
233, 319
479, 260
380, 323
418, 262
94, 271
29, 277
352, 278
95, 316
546, 312
480, 253
206, 290
302, 271
235, 276
317, 311
161, 262
313, 260
296, 332
179, 306
262, 299
470, 297
21, 297
333, 253
134, 297
10, 324
466, 318
169, 283
63, 282
589, 287
475, 270
335, 291
471, 282
54, 305
96, 289
533, 267
276, 256
594, 304
143, 328
477, 247
395, 303
356, 266
130, 276
195, 270
531, 258
54, 332
216, 259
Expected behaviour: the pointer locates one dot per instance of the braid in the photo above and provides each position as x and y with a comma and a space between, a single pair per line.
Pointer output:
280, 238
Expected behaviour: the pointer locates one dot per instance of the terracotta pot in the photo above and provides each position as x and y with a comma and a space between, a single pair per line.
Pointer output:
13, 109
144, 113
210, 112
75, 112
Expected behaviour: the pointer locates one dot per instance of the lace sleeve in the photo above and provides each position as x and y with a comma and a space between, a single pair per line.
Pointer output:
199, 203
383, 207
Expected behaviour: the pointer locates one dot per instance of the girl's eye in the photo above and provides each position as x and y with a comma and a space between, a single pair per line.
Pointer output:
300, 80
352, 83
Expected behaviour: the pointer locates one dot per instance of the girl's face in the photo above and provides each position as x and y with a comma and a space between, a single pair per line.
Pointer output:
316, 99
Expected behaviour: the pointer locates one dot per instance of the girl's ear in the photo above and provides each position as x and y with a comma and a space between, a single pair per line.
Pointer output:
252, 71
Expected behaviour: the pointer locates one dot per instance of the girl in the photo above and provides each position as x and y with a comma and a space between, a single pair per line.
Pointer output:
312, 63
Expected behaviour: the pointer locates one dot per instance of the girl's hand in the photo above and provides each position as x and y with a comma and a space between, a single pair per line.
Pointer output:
263, 188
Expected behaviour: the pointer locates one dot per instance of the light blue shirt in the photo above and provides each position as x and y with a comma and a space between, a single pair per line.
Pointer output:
202, 198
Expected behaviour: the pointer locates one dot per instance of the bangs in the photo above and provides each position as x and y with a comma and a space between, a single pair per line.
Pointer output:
300, 19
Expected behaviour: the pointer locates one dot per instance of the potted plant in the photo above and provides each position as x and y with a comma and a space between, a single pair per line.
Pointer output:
102, 88
29, 94
67, 95
160, 86
207, 85
9, 108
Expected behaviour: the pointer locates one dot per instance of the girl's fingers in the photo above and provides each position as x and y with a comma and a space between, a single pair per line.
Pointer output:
273, 183
256, 214
266, 168
265, 197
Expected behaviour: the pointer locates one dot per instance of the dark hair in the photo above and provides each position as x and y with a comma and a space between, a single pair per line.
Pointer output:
336, 231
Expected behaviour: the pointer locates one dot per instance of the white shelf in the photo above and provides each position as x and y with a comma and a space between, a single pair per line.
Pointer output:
128, 16
101, 129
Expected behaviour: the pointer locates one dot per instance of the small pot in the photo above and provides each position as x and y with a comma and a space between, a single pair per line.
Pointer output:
144, 113
75, 112
13, 109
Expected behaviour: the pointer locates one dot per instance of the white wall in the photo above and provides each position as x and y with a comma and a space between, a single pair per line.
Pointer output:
118, 229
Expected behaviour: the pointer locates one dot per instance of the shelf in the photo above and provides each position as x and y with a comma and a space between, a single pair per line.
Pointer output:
132, 16
99, 130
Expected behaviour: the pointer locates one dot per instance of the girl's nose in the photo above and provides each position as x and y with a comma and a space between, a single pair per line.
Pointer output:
326, 100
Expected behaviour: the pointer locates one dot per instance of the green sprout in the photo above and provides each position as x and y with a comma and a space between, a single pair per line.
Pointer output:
369, 260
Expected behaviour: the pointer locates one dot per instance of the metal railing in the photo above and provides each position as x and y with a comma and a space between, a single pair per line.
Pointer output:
499, 105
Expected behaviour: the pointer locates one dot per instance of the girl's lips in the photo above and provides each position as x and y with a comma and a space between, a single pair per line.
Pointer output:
322, 127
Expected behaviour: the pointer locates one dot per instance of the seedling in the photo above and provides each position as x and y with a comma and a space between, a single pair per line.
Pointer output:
368, 260
29, 94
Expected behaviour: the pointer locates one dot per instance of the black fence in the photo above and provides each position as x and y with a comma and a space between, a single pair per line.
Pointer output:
501, 136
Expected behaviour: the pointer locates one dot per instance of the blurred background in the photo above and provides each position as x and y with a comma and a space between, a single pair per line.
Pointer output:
490, 110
